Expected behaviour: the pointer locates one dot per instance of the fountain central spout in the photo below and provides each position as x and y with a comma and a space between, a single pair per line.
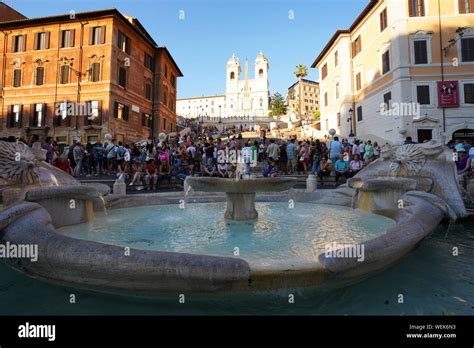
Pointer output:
241, 193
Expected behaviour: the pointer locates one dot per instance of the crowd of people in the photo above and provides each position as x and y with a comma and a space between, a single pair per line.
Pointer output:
200, 153
463, 155
146, 165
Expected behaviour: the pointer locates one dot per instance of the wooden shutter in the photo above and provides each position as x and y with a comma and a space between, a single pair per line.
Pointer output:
91, 36
13, 44
116, 109
23, 44
125, 112
47, 35
20, 119
10, 119
36, 42
45, 114
99, 116
102, 34
73, 37
32, 115
422, 7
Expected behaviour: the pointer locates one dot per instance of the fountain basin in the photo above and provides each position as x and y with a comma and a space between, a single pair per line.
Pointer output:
119, 268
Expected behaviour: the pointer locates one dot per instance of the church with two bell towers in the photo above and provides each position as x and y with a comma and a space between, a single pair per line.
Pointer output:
243, 96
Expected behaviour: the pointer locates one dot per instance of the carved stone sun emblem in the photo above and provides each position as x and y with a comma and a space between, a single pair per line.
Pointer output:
407, 160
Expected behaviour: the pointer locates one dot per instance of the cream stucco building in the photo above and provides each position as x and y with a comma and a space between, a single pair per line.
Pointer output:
390, 66
243, 97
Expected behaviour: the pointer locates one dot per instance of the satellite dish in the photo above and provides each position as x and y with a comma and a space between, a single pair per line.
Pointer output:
332, 132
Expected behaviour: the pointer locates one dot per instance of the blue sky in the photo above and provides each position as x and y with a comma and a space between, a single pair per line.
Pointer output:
212, 30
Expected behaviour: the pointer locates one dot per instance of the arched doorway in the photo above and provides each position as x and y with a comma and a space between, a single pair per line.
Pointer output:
464, 134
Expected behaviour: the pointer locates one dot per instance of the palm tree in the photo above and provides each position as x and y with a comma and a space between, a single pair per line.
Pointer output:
300, 72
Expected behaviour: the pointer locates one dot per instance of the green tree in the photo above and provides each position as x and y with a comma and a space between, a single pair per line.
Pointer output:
316, 115
277, 105
301, 72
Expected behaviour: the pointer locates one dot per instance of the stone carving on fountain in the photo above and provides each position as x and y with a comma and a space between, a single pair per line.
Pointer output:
26, 177
426, 168
24, 167
17, 164
407, 160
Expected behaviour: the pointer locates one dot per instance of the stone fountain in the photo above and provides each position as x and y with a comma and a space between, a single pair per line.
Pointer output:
421, 177
240, 194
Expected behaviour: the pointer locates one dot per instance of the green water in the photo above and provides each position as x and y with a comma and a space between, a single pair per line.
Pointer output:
431, 280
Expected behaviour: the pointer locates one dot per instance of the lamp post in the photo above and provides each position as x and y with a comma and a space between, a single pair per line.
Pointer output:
220, 120
351, 112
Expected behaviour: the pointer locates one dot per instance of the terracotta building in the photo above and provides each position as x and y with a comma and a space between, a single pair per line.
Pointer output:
82, 75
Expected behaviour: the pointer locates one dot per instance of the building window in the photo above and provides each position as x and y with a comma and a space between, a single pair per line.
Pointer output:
387, 101
39, 81
148, 91
336, 58
423, 94
326, 99
337, 90
467, 49
166, 71
94, 72
15, 117
93, 112
356, 46
466, 6
19, 43
260, 72
97, 35
359, 113
123, 42
42, 40
17, 78
146, 120
122, 77
469, 93
149, 62
173, 80
338, 119
324, 71
420, 48
64, 74
232, 75
165, 96
383, 20
386, 62
416, 8
121, 111
164, 124
358, 82
67, 38
38, 119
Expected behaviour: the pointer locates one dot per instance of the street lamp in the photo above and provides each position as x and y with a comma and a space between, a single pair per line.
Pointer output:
351, 112
220, 120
